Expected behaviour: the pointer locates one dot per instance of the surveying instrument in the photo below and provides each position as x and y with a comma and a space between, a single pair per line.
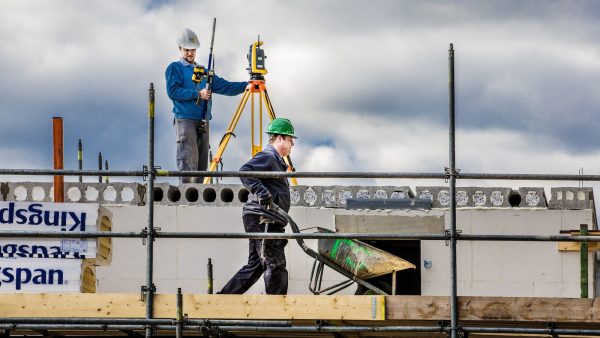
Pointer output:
256, 87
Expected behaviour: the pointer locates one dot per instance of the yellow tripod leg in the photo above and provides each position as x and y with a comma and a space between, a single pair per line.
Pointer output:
288, 160
232, 124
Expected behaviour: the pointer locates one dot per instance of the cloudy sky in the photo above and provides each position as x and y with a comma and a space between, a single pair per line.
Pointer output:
365, 83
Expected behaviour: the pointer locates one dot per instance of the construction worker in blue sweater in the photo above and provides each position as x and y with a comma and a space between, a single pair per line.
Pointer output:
191, 120
266, 256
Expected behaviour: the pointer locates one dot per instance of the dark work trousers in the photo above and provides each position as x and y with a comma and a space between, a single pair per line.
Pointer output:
273, 265
192, 147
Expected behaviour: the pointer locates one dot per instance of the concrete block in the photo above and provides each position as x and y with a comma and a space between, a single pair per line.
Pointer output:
405, 222
161, 193
483, 197
572, 198
29, 191
532, 197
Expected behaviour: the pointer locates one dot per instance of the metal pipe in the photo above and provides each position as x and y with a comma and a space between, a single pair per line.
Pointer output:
179, 322
209, 274
80, 158
150, 229
304, 174
106, 169
235, 235
58, 155
546, 331
100, 167
583, 250
452, 191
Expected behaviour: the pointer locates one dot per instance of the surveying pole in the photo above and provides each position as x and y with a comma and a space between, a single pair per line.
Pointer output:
256, 87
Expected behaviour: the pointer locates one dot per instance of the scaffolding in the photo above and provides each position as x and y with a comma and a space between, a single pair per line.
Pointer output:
218, 328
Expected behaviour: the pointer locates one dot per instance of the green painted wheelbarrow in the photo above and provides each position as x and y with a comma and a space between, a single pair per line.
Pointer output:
355, 260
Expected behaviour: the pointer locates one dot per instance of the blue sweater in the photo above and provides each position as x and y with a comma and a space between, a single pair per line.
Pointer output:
184, 92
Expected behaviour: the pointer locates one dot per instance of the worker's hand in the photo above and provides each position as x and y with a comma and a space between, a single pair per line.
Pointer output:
266, 202
205, 94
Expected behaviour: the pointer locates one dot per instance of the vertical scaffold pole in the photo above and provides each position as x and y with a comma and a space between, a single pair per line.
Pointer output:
209, 276
452, 188
80, 158
150, 234
583, 249
100, 167
179, 319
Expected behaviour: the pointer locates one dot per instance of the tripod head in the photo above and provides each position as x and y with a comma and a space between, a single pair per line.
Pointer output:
256, 60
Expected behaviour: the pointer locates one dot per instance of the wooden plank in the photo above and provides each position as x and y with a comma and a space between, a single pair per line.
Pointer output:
73, 305
494, 309
575, 246
285, 307
358, 308
196, 306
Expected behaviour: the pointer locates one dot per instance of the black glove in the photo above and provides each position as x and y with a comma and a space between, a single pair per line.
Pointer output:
266, 202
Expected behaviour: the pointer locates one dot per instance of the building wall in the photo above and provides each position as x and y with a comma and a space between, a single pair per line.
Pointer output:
535, 269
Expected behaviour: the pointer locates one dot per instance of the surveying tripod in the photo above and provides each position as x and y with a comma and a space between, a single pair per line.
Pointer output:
256, 86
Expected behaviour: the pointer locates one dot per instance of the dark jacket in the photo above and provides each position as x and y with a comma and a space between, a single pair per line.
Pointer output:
278, 188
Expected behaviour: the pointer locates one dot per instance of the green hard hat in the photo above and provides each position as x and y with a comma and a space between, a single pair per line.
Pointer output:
281, 126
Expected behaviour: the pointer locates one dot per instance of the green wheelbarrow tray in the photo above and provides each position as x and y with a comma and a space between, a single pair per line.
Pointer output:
360, 259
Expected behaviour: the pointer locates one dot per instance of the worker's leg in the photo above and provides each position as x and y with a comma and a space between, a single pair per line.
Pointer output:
187, 148
276, 274
203, 142
249, 273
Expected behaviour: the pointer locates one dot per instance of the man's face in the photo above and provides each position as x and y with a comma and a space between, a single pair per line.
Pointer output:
286, 142
188, 54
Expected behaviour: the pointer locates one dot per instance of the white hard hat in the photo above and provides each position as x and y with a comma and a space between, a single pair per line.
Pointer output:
187, 39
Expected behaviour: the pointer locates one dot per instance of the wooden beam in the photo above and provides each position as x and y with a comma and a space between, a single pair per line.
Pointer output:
285, 307
196, 306
575, 246
494, 309
299, 307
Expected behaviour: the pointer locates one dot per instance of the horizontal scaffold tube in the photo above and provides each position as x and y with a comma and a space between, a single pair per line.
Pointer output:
302, 174
336, 235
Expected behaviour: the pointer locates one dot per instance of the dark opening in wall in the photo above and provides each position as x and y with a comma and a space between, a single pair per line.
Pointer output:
408, 282
227, 195
243, 195
209, 195
191, 195
158, 194
174, 195
514, 199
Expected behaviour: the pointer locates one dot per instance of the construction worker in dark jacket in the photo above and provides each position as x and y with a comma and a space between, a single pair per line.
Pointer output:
266, 256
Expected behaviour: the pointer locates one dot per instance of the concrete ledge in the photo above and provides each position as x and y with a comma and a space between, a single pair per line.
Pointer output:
220, 195
532, 197
468, 197
125, 193
571, 198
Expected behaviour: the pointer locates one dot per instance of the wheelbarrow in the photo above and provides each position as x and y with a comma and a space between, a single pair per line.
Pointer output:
355, 260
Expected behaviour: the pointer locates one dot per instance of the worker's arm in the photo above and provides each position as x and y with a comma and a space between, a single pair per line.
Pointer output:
175, 88
262, 161
224, 87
